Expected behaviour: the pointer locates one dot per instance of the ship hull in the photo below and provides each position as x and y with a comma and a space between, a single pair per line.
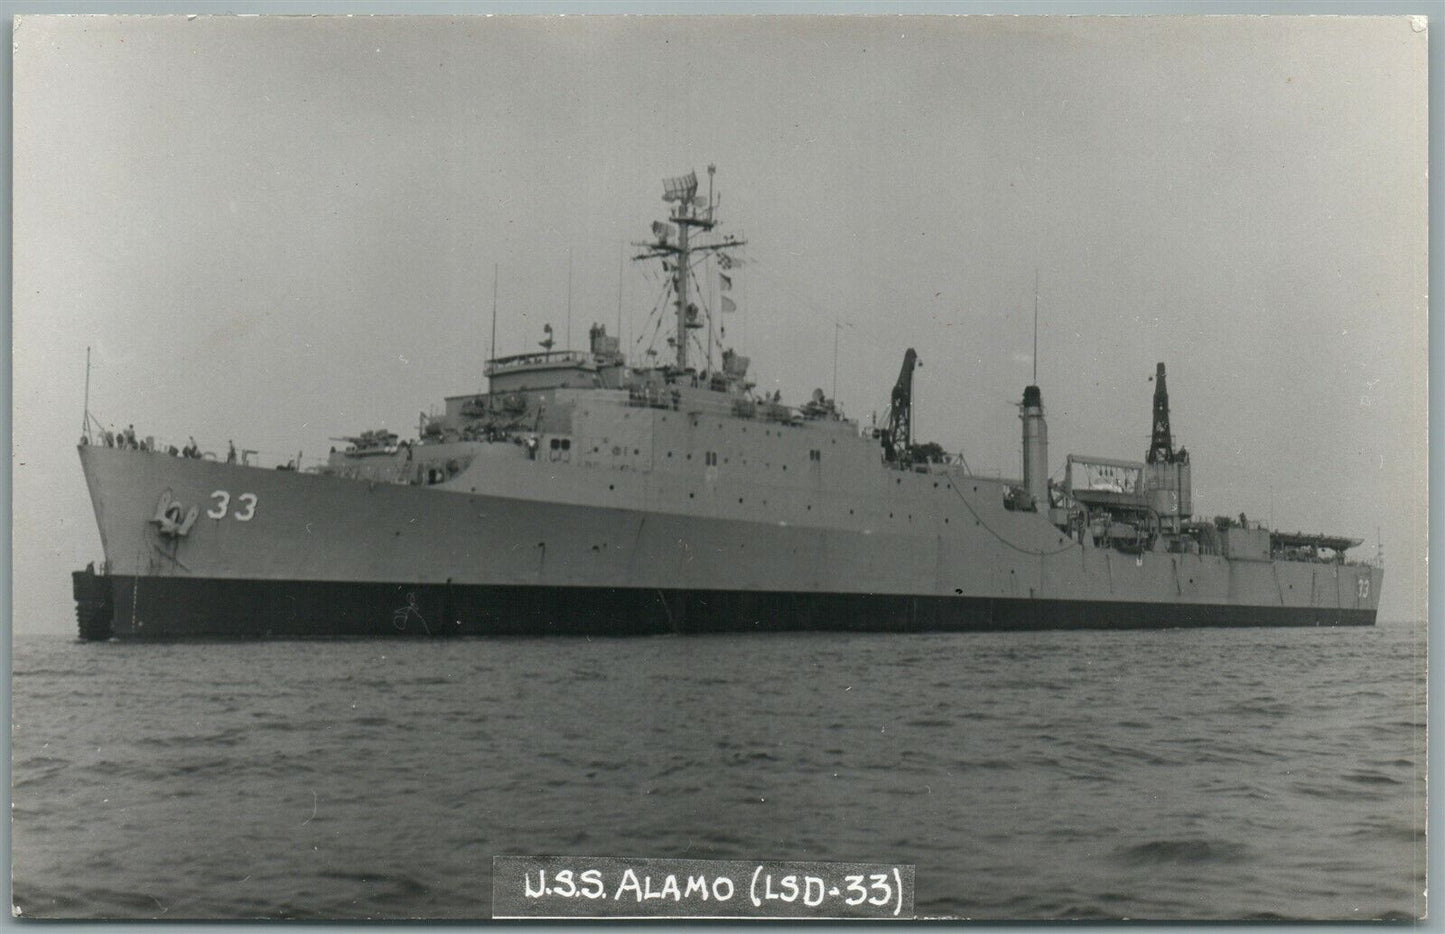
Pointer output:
160, 609
286, 555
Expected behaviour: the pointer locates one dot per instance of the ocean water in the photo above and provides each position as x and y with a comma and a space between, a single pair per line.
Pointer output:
1185, 774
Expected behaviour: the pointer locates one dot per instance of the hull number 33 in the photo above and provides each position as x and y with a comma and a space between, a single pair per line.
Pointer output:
221, 501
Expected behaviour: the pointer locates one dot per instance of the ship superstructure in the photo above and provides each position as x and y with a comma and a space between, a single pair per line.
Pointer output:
582, 492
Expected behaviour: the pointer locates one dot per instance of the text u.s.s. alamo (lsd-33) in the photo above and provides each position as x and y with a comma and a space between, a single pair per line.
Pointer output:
603, 886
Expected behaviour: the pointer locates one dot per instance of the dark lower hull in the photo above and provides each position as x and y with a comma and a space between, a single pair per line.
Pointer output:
187, 608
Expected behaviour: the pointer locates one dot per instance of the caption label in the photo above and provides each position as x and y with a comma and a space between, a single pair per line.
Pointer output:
615, 887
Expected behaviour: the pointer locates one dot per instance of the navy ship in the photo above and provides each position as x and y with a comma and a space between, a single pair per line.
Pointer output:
586, 493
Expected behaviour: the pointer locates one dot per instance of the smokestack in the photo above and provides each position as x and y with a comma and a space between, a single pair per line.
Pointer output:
1161, 448
1036, 447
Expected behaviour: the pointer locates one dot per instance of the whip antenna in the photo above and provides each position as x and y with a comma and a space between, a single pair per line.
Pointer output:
492, 353
1036, 326
85, 418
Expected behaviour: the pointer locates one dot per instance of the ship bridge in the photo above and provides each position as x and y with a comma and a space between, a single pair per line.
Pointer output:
553, 369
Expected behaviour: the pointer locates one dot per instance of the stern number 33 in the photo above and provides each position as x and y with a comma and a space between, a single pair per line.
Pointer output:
221, 501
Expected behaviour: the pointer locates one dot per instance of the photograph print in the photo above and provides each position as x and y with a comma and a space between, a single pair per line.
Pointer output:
805, 467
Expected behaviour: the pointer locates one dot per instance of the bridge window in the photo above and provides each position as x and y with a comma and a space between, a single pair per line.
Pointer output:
710, 459
815, 455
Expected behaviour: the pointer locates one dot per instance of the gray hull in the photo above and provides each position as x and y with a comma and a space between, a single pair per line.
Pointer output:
500, 550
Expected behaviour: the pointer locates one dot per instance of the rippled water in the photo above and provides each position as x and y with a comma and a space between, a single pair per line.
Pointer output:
1180, 774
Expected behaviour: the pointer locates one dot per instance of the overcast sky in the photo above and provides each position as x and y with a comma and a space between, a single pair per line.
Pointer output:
279, 230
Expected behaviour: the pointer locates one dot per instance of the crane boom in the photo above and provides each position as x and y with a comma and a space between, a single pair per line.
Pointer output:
898, 435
